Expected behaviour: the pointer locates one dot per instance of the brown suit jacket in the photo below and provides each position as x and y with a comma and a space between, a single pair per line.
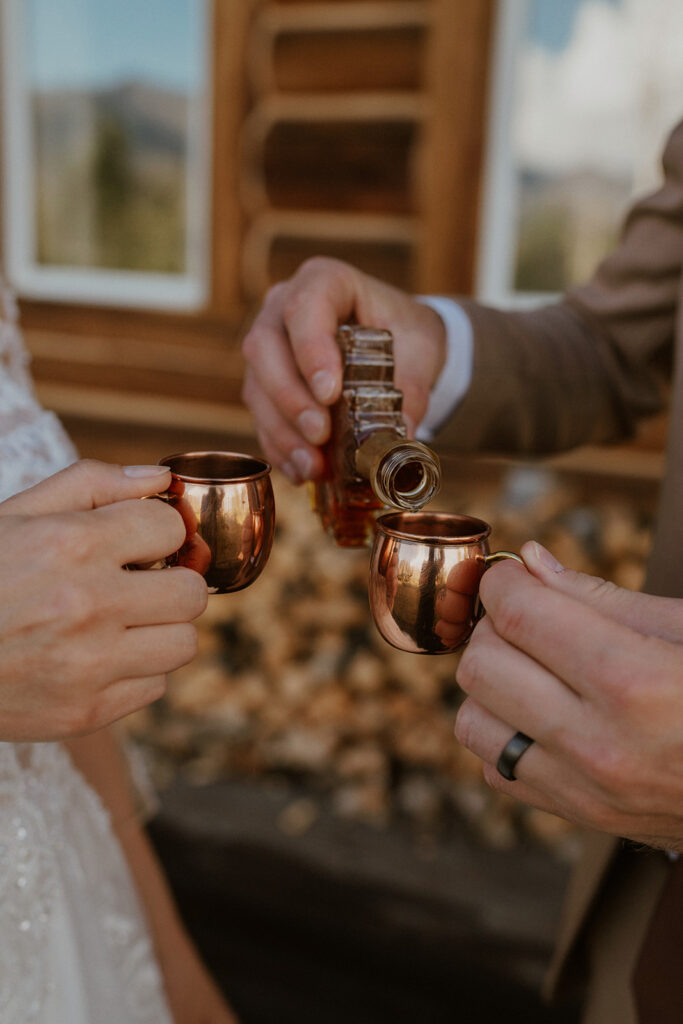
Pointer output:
585, 370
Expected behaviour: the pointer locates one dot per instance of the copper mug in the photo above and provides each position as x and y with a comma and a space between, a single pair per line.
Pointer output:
425, 570
227, 504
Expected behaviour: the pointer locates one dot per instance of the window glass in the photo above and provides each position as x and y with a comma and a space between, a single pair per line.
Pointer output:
106, 170
585, 93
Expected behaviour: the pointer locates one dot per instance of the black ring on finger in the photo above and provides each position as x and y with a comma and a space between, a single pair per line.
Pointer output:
510, 755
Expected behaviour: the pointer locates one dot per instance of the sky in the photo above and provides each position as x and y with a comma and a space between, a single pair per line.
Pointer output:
599, 84
97, 42
552, 22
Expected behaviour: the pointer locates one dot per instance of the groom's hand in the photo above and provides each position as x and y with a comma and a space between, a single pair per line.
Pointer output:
83, 641
293, 366
593, 674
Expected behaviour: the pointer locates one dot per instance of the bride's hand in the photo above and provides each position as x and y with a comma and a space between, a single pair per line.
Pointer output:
82, 641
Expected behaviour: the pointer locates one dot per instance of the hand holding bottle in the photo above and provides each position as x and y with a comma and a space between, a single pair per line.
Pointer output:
294, 368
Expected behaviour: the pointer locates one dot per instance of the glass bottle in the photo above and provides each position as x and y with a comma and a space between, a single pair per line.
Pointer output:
369, 462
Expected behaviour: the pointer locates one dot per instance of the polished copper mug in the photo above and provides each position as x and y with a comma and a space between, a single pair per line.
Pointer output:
227, 504
425, 569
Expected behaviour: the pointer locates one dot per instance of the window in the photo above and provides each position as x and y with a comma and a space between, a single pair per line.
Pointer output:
106, 157
583, 96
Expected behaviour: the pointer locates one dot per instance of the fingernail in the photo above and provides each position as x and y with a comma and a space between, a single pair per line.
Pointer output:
303, 462
323, 385
138, 471
545, 557
290, 472
312, 425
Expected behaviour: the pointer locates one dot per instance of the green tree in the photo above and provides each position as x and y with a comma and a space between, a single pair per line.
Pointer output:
114, 187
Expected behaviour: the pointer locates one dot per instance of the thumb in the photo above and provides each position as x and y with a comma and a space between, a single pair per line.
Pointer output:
85, 485
645, 613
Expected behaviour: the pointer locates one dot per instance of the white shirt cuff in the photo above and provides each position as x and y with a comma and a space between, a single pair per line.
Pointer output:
456, 375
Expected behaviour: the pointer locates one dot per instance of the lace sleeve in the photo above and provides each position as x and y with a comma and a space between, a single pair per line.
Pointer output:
33, 443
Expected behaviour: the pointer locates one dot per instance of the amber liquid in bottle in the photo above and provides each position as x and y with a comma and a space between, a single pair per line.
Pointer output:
369, 462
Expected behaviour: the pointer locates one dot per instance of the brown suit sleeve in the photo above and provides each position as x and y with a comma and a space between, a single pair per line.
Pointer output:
586, 368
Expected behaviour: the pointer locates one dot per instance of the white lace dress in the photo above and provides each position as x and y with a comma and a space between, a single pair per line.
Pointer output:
74, 947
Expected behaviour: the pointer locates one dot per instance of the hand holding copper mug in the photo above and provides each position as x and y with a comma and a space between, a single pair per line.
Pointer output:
227, 504
425, 570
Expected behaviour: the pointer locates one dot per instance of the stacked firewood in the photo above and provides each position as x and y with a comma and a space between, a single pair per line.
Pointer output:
293, 684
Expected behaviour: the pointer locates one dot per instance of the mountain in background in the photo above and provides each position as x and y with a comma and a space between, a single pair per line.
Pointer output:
153, 119
111, 176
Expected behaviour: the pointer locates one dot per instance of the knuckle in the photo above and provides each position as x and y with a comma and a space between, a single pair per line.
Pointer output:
90, 717
493, 779
66, 535
609, 768
186, 644
147, 690
195, 592
600, 588
167, 522
464, 725
89, 467
77, 675
335, 272
71, 720
318, 265
156, 688
72, 604
151, 690
558, 735
307, 281
250, 344
275, 294
176, 530
470, 670
622, 694
87, 470
625, 689
509, 618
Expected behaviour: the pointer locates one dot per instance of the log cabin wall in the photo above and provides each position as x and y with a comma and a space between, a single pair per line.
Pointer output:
364, 140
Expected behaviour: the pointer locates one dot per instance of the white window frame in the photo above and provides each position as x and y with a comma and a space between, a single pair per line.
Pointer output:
500, 199
188, 291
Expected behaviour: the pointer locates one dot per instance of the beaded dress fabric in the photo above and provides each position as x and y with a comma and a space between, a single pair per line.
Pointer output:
74, 947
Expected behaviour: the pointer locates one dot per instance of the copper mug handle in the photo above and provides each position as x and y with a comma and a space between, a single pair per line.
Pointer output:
491, 559
500, 556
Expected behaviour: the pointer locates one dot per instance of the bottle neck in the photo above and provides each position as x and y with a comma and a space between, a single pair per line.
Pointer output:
403, 474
